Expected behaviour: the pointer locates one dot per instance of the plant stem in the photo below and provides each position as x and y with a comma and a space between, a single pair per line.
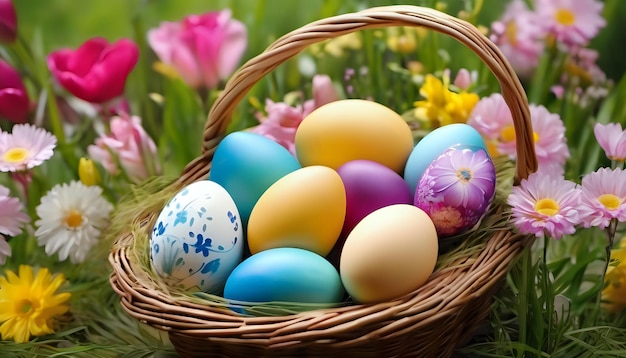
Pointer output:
610, 230
522, 309
547, 294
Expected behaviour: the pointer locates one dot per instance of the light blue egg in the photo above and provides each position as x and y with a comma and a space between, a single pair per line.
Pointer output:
285, 275
246, 164
433, 144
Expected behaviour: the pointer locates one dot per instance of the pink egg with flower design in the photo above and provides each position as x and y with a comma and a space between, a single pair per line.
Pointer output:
457, 188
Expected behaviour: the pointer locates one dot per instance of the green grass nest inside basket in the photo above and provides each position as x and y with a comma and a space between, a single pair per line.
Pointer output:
147, 200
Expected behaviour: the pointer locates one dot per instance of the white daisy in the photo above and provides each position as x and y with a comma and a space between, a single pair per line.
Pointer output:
26, 147
71, 218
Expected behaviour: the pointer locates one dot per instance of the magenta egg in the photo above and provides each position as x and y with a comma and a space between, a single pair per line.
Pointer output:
370, 186
456, 189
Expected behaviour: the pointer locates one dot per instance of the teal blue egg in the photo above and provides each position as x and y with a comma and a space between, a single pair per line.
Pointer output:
433, 144
246, 164
285, 274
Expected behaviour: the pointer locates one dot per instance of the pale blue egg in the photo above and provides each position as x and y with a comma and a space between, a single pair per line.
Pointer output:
246, 164
433, 144
197, 239
285, 275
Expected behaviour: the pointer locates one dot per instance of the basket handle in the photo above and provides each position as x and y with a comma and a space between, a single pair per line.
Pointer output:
294, 42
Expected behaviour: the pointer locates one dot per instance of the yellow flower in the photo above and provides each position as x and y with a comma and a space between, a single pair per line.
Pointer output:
88, 172
403, 39
336, 47
28, 303
442, 106
614, 292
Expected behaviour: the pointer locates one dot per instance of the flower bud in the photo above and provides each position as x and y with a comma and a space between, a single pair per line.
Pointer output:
88, 172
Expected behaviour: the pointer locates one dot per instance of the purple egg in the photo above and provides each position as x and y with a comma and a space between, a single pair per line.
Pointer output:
456, 189
370, 186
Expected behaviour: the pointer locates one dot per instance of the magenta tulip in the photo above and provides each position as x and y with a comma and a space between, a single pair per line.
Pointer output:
203, 49
14, 101
8, 21
97, 71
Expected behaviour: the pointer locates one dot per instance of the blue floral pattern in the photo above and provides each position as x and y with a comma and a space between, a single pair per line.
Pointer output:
196, 240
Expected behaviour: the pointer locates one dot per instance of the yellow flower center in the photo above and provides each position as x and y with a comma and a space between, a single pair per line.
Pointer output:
464, 174
610, 201
565, 17
73, 219
510, 32
25, 306
547, 207
508, 134
16, 155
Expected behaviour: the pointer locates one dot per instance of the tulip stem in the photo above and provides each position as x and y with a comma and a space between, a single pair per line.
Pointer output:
57, 129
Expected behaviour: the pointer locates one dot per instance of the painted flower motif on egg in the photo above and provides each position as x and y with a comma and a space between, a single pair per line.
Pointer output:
457, 188
196, 241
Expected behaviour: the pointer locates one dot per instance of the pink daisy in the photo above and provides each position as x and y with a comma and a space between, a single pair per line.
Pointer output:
545, 205
519, 37
604, 194
12, 219
612, 140
25, 148
491, 117
573, 22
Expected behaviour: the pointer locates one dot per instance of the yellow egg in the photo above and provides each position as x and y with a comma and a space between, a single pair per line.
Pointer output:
389, 253
352, 129
304, 209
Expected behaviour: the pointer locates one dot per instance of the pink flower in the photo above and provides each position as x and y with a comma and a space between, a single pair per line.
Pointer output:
545, 205
491, 117
204, 49
573, 22
26, 147
12, 218
129, 143
519, 37
8, 21
97, 71
282, 119
14, 102
612, 140
604, 194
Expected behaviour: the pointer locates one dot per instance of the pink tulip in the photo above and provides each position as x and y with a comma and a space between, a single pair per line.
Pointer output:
282, 119
129, 144
14, 102
97, 71
204, 49
8, 21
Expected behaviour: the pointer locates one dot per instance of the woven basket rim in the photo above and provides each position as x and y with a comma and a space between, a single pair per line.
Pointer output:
446, 290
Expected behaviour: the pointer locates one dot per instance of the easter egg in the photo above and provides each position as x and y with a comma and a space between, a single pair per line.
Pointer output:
433, 144
388, 254
457, 188
303, 209
246, 164
197, 239
370, 186
284, 275
352, 129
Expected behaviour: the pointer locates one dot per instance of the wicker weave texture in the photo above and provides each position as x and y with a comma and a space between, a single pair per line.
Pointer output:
429, 322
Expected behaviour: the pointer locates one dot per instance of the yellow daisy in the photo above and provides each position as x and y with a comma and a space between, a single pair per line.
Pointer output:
28, 303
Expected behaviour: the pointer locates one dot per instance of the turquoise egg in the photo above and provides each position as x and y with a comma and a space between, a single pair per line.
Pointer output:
285, 274
433, 144
246, 164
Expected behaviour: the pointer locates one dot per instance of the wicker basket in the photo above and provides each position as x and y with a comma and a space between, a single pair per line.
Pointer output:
429, 322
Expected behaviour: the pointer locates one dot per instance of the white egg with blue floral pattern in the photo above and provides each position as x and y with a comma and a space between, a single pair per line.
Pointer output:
197, 239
